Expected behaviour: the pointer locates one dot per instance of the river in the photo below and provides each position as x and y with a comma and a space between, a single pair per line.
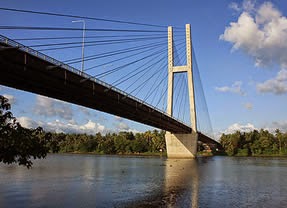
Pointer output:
71, 180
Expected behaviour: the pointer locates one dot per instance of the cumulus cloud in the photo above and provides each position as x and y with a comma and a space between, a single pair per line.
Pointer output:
11, 98
235, 127
282, 125
66, 127
248, 106
248, 5
276, 85
234, 88
121, 126
240, 127
271, 127
49, 107
260, 32
28, 122
235, 6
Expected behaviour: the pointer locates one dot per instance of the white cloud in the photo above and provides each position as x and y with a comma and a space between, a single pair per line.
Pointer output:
121, 126
234, 6
234, 88
28, 122
235, 127
49, 107
267, 13
11, 98
66, 127
248, 106
277, 85
248, 5
261, 33
271, 127
92, 126
282, 125
240, 127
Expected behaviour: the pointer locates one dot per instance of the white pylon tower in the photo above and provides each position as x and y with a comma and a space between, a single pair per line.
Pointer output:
181, 145
181, 69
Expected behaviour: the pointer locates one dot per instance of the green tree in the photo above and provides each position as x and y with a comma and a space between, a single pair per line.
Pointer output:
121, 143
18, 144
255, 143
279, 136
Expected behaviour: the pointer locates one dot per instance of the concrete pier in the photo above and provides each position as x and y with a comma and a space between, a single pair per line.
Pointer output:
181, 145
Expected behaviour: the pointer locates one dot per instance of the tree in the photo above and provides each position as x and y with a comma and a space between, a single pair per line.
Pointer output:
120, 143
228, 143
279, 136
255, 143
18, 144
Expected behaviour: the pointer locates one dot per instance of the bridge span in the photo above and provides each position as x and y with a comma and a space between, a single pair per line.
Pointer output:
26, 69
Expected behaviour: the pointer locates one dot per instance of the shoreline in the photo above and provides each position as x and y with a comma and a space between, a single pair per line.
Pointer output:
164, 155
124, 155
259, 156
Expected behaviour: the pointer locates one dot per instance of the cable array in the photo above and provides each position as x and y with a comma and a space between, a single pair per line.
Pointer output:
128, 55
203, 117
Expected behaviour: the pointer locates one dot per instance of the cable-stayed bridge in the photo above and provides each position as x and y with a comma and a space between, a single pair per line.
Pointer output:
134, 72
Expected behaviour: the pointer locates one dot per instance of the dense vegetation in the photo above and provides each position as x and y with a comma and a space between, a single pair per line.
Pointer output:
255, 143
115, 143
19, 145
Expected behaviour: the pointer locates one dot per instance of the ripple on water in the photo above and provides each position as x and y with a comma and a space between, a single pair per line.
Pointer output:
100, 181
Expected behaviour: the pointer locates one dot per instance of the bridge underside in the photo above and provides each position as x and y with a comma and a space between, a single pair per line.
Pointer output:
25, 71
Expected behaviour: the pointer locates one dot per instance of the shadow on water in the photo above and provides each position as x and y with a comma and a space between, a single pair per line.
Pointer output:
180, 187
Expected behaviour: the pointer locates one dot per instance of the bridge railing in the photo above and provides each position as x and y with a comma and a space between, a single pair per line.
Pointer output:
13, 44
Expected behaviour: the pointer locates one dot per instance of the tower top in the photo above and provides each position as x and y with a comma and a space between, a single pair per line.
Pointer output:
180, 69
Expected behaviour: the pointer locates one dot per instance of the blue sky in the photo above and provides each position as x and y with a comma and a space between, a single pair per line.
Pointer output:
241, 49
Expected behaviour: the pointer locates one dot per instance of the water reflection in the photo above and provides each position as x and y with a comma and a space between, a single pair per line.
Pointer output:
180, 186
112, 181
181, 183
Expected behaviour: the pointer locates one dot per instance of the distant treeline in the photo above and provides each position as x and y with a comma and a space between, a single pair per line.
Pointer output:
111, 143
19, 145
255, 143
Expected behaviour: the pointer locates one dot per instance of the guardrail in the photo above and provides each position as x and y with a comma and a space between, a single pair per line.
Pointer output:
13, 44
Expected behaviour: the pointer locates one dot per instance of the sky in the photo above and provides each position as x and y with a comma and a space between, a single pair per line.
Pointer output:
241, 50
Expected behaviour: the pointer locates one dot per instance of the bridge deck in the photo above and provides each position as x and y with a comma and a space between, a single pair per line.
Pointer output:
26, 69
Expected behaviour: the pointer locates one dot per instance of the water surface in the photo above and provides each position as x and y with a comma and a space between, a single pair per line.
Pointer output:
68, 180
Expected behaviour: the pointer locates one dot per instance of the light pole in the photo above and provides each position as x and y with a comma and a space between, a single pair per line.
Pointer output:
83, 42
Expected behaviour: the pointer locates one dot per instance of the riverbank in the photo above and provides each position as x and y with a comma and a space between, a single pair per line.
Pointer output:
164, 154
144, 154
262, 155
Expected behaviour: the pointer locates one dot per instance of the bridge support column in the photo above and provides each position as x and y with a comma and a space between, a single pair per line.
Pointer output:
181, 145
